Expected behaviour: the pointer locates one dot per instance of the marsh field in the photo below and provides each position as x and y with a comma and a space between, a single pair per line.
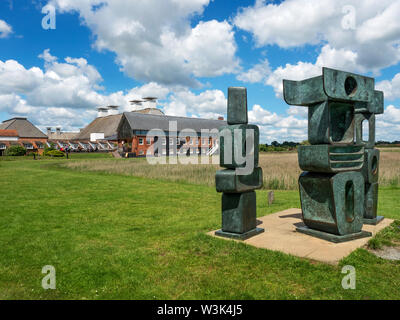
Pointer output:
281, 170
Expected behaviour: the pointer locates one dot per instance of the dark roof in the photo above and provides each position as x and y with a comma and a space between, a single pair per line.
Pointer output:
139, 121
114, 137
24, 128
107, 125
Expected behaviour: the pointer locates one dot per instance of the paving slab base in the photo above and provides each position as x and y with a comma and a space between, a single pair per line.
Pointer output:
333, 237
281, 235
239, 236
374, 221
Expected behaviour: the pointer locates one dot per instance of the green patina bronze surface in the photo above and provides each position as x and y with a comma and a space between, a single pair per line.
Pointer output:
237, 105
237, 146
239, 215
333, 203
228, 181
330, 158
339, 188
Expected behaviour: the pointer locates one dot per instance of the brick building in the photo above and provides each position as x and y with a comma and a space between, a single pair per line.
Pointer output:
138, 132
20, 131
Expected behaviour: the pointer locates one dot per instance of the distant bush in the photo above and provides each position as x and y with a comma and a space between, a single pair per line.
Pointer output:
48, 149
55, 153
265, 148
15, 151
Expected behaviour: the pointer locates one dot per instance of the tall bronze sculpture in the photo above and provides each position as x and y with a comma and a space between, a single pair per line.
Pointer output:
339, 188
239, 151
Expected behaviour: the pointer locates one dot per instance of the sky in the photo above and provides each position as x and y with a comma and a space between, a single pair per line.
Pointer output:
56, 69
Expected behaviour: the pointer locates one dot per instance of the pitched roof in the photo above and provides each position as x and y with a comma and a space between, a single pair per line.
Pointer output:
8, 133
24, 128
138, 121
63, 135
150, 111
107, 125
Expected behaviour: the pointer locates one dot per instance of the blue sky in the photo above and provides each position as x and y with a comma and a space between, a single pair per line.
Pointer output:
187, 53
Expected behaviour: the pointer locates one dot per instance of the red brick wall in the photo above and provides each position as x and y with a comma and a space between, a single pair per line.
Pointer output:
33, 142
141, 149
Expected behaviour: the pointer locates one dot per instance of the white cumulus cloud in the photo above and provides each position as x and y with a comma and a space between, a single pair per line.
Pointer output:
365, 28
5, 29
154, 40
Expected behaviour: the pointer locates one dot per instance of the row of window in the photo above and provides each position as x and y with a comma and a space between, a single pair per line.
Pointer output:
171, 141
28, 146
171, 152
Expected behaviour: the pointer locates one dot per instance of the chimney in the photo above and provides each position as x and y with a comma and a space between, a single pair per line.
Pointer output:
221, 118
48, 131
137, 103
102, 112
151, 102
58, 130
112, 110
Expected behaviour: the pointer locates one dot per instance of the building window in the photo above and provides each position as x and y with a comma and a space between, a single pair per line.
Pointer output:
28, 146
171, 141
141, 153
191, 142
203, 141
164, 141
148, 140
141, 141
2, 146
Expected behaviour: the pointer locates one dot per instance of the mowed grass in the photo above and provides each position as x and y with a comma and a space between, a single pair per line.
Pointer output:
112, 236
281, 170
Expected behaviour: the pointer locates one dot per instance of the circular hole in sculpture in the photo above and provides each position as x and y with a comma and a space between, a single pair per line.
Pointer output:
350, 86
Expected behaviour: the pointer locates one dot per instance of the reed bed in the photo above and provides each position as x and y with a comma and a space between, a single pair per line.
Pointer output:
281, 170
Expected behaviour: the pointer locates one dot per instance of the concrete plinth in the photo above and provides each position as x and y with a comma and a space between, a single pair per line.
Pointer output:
333, 237
374, 221
281, 235
239, 236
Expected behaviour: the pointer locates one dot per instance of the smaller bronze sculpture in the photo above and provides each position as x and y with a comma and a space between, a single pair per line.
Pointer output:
239, 215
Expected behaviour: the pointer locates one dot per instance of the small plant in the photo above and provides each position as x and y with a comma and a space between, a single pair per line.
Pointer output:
388, 237
55, 154
374, 244
15, 151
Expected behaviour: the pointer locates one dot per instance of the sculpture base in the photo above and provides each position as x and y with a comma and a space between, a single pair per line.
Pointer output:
333, 237
239, 236
374, 221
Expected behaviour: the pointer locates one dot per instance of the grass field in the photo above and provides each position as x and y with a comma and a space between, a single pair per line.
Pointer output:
281, 170
113, 236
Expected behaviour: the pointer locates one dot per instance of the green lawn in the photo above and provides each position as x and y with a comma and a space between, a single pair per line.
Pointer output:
118, 237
